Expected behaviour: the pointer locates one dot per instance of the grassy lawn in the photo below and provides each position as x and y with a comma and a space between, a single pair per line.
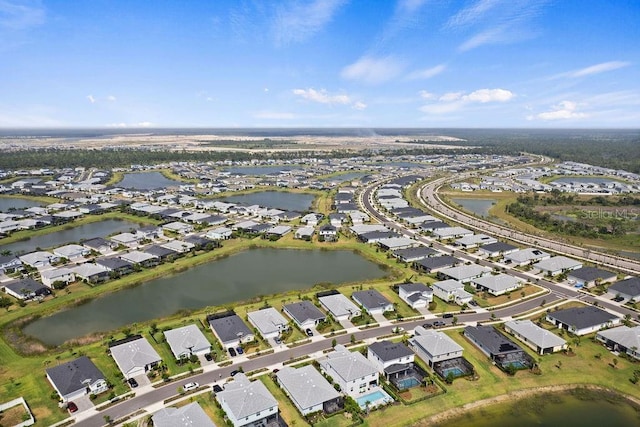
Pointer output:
14, 415
487, 300
288, 412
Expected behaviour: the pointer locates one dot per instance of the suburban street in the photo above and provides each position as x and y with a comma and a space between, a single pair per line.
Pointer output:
149, 397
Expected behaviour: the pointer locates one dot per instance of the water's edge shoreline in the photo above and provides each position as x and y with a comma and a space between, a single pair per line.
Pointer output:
457, 412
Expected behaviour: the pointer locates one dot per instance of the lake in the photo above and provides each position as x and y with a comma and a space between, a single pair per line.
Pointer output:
70, 235
7, 203
479, 207
146, 181
274, 199
570, 409
235, 278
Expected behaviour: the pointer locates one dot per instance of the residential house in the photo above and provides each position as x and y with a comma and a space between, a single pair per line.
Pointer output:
39, 259
277, 231
134, 356
623, 339
91, 273
353, 372
187, 341
178, 227
71, 252
76, 378
451, 291
493, 250
9, 263
99, 244
220, 233
500, 349
590, 276
434, 346
464, 273
25, 289
628, 289
308, 390
304, 314
535, 337
475, 240
395, 243
62, 275
434, 264
451, 233
178, 246
268, 321
328, 233
390, 357
230, 330
417, 295
497, 284
557, 265
247, 402
190, 415
304, 233
143, 259
116, 265
340, 307
414, 254
128, 240
372, 301
525, 256
582, 320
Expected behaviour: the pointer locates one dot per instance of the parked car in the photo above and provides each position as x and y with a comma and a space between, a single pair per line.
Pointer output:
278, 340
427, 325
190, 386
447, 316
234, 372
208, 357
438, 323
309, 332
217, 388
239, 350
132, 382
72, 407
232, 352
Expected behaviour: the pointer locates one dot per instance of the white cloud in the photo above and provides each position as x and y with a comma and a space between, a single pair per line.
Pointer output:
111, 98
274, 115
321, 96
91, 99
598, 68
131, 125
20, 15
427, 73
296, 22
490, 95
426, 95
563, 111
454, 101
373, 70
451, 96
410, 6
471, 14
359, 105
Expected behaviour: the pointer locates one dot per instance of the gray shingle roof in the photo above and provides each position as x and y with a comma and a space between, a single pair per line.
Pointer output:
387, 350
134, 354
582, 317
306, 386
629, 286
589, 274
624, 336
303, 311
491, 340
72, 376
186, 339
349, 365
370, 299
435, 343
230, 328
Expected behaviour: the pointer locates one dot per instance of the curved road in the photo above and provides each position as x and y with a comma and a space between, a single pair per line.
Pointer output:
429, 196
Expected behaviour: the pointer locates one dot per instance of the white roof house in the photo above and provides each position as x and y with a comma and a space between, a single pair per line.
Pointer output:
557, 265
465, 273
246, 402
186, 341
191, 415
178, 246
353, 372
451, 290
64, 275
475, 240
307, 388
71, 251
339, 306
622, 339
539, 339
39, 259
135, 357
434, 346
526, 256
450, 232
498, 284
137, 257
269, 322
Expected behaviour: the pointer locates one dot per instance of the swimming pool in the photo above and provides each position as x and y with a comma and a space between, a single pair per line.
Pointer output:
378, 397
405, 383
455, 371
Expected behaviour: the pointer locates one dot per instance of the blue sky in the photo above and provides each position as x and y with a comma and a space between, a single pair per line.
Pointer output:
320, 63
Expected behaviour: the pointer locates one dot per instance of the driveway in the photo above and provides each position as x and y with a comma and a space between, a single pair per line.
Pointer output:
83, 403
379, 317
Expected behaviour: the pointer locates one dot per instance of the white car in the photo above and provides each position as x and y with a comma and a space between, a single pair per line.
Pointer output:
190, 386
